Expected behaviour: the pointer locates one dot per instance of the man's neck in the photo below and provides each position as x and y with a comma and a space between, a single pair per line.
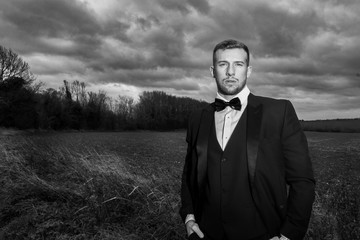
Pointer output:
227, 97
241, 95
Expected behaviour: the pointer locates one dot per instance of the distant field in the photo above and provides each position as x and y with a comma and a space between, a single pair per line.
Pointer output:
126, 185
334, 125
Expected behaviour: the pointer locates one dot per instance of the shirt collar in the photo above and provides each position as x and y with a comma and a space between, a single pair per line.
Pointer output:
242, 95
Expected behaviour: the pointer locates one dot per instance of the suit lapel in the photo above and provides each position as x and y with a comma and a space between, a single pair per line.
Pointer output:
206, 121
254, 117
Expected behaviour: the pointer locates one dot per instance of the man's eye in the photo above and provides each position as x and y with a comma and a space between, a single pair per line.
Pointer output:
239, 64
222, 64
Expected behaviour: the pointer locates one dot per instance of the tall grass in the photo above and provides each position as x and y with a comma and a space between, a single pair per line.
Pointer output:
55, 192
126, 186
336, 211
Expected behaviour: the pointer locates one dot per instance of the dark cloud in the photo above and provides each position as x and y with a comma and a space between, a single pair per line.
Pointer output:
281, 32
174, 5
301, 50
148, 22
167, 46
184, 7
42, 22
226, 23
340, 59
200, 5
308, 84
288, 66
51, 18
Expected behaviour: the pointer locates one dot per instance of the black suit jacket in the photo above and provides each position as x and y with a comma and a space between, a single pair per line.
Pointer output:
279, 166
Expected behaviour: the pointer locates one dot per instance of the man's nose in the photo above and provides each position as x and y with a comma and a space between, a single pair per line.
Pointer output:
230, 70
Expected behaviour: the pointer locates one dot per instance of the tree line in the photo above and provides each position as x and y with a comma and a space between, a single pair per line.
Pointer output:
26, 105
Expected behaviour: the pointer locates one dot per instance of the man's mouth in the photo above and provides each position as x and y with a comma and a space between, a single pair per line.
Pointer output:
230, 80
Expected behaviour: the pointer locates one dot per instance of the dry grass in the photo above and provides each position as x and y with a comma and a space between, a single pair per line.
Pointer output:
336, 211
57, 190
126, 186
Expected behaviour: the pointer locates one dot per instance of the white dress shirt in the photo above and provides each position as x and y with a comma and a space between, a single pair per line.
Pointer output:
227, 119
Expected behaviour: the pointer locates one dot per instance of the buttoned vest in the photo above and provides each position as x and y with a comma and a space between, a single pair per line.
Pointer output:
228, 208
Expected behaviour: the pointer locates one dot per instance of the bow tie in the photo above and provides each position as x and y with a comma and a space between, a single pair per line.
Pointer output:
221, 105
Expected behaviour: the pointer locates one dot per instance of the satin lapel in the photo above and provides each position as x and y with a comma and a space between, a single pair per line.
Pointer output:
254, 117
206, 121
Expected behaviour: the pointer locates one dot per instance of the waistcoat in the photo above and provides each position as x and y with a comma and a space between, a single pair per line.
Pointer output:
228, 208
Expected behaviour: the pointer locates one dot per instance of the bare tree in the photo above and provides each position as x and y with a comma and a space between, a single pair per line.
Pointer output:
76, 89
83, 95
68, 94
12, 65
124, 107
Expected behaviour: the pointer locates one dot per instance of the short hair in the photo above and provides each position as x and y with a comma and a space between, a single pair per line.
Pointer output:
230, 44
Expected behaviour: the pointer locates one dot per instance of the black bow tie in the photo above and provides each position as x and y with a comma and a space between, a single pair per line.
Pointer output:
221, 105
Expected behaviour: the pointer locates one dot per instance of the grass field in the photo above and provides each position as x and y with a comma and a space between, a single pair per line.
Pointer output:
126, 185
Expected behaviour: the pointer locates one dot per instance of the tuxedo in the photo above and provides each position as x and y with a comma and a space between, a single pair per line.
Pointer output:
271, 173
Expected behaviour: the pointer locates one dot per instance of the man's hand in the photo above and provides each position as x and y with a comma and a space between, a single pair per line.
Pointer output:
280, 238
192, 226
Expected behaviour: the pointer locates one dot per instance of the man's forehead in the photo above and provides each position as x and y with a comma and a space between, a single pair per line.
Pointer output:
232, 53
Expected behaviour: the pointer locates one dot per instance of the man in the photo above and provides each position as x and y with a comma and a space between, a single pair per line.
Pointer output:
247, 172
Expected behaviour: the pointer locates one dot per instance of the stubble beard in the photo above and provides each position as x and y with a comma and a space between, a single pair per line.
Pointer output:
230, 90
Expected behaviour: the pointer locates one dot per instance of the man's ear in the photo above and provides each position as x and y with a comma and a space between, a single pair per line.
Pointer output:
212, 71
249, 71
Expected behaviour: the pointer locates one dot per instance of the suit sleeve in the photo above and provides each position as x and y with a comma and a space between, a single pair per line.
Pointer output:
298, 175
188, 176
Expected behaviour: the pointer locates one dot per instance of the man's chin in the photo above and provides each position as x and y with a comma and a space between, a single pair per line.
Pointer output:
231, 91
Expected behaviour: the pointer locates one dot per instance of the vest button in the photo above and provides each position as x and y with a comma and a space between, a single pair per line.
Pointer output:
223, 160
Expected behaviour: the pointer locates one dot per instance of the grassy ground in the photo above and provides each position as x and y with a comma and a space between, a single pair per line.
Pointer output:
126, 185
336, 162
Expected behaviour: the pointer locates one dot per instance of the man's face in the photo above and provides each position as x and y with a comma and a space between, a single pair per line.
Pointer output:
230, 70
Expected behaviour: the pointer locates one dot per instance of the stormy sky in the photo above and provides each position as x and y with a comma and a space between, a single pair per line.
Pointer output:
307, 51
